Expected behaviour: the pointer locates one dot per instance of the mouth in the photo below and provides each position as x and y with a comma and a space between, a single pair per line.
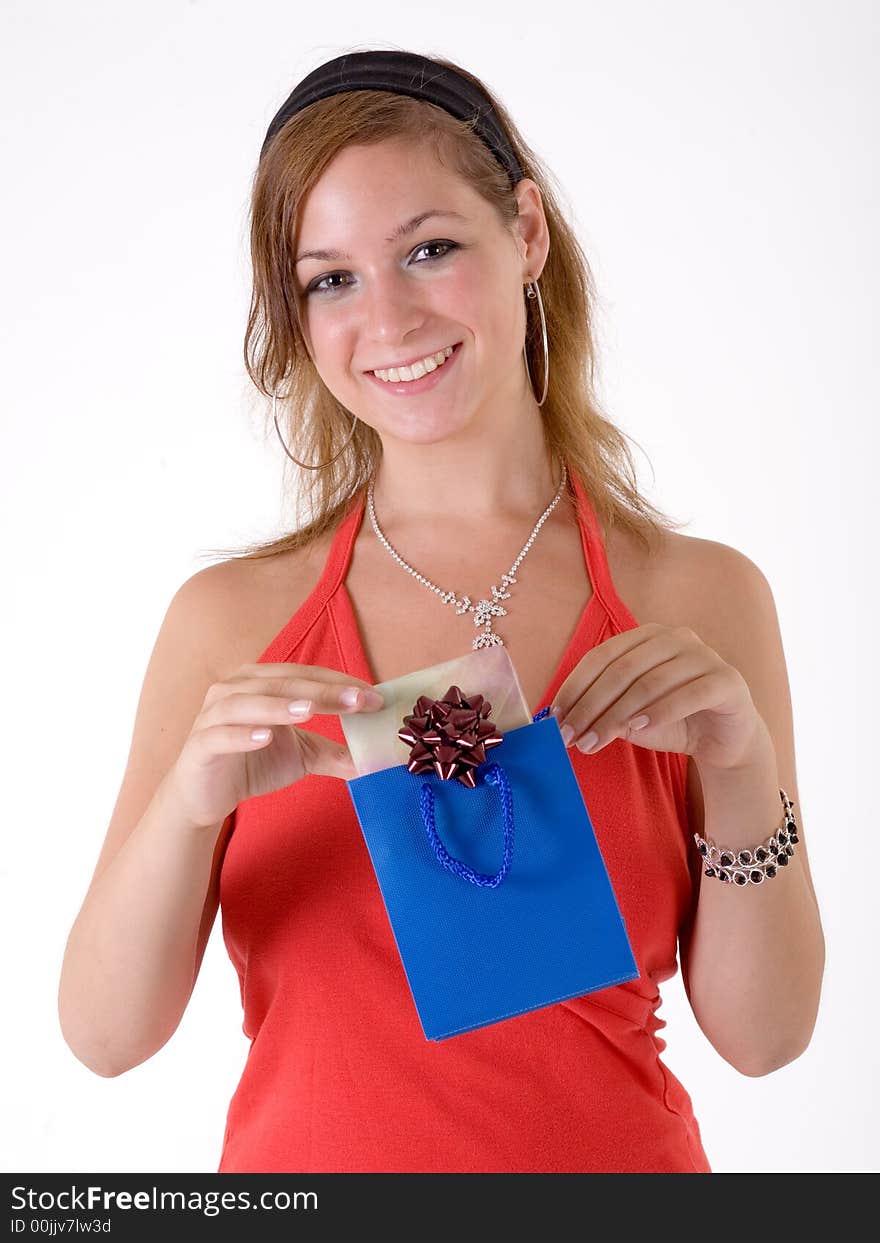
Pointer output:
422, 383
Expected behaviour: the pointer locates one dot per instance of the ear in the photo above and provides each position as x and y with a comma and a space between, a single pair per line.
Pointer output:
533, 231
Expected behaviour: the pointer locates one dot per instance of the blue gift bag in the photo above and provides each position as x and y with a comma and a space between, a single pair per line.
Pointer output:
498, 896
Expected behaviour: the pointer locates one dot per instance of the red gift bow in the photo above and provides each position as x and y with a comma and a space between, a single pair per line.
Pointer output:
449, 736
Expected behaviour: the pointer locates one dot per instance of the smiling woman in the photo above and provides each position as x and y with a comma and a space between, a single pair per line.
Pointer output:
405, 297
422, 312
352, 191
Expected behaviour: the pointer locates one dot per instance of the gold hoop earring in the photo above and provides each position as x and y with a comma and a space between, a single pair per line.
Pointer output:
305, 465
532, 291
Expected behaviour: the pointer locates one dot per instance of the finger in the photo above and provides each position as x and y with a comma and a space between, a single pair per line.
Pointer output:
695, 694
243, 708
621, 676
226, 739
319, 755
593, 664
284, 669
313, 696
614, 678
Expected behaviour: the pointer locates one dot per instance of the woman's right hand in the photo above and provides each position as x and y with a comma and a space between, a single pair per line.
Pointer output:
221, 764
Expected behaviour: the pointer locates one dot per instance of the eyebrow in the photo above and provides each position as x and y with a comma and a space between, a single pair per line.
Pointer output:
402, 230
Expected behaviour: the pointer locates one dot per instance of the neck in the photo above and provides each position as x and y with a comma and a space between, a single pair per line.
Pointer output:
474, 478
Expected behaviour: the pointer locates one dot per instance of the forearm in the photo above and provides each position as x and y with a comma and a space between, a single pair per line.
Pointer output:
129, 962
757, 952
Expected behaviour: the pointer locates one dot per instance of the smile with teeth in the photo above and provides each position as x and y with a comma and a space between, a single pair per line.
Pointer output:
415, 371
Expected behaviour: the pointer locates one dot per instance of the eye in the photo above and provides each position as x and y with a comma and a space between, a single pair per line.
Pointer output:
319, 285
447, 247
315, 286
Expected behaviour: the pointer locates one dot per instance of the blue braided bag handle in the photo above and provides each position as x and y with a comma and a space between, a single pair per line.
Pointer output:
496, 776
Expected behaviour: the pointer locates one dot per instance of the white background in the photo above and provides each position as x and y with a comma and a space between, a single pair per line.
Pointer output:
719, 162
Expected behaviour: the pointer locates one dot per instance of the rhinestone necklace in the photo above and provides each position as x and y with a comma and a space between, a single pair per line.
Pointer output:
484, 611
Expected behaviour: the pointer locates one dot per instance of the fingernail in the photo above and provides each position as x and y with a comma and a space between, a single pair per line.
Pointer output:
556, 711
349, 696
372, 699
588, 741
639, 722
567, 734
299, 707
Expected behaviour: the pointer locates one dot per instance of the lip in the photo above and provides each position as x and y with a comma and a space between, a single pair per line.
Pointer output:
407, 388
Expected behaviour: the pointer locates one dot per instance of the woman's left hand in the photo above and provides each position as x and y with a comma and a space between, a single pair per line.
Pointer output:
695, 703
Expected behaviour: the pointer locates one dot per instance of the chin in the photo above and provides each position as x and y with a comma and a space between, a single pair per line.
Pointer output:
423, 429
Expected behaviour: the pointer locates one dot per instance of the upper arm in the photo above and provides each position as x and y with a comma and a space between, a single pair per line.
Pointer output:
732, 609
186, 656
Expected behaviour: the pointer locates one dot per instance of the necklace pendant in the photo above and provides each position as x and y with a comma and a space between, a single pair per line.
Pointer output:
484, 613
487, 638
486, 610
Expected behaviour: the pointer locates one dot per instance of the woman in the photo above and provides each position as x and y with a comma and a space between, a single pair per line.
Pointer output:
400, 229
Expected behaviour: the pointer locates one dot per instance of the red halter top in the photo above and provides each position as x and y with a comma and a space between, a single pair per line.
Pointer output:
339, 1076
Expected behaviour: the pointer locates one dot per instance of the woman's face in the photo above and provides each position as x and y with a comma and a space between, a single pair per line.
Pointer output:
388, 297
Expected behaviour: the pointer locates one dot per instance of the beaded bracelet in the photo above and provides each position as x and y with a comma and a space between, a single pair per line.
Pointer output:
744, 867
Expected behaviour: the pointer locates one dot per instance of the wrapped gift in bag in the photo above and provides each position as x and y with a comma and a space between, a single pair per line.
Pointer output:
482, 845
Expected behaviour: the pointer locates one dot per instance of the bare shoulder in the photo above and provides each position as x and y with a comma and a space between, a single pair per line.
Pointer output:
694, 556
721, 594
683, 580
243, 602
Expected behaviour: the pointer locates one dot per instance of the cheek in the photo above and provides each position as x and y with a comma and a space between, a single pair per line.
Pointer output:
491, 303
499, 328
330, 338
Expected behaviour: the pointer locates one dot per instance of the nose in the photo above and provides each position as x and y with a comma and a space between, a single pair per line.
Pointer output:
393, 308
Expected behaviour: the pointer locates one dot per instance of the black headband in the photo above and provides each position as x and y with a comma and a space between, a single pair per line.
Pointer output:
403, 73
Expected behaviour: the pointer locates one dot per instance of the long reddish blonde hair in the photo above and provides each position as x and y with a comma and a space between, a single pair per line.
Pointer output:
313, 422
